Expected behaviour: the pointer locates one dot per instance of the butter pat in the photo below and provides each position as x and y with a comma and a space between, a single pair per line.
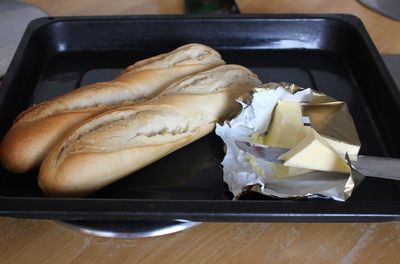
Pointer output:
342, 147
314, 153
286, 128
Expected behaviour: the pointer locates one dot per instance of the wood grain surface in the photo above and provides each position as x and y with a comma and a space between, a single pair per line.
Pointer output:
42, 241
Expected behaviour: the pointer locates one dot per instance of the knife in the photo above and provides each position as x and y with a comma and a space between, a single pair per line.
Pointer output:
371, 166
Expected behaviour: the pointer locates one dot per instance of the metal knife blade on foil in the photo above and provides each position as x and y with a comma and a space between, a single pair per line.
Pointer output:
369, 166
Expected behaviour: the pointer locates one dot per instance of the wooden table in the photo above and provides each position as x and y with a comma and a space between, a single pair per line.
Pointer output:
42, 241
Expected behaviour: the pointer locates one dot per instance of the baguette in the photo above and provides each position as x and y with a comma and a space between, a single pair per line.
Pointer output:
39, 128
118, 142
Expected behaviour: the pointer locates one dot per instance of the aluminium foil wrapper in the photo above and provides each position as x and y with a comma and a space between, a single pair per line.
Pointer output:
244, 172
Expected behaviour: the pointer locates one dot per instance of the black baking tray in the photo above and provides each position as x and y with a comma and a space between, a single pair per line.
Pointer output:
330, 53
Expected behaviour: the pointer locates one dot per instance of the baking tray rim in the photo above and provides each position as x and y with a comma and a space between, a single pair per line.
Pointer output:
201, 210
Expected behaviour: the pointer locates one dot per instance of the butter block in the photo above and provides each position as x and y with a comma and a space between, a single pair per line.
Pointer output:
343, 147
314, 153
286, 128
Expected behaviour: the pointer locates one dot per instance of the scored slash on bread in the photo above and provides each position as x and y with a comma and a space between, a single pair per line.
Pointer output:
118, 142
37, 130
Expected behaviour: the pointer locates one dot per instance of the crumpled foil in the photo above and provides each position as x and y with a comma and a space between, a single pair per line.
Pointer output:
244, 172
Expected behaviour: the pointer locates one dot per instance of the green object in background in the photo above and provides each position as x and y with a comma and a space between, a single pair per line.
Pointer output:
211, 7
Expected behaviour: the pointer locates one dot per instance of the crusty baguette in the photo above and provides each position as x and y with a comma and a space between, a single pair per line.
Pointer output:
40, 127
118, 142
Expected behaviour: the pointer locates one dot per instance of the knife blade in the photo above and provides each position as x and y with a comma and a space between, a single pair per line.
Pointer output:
370, 166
